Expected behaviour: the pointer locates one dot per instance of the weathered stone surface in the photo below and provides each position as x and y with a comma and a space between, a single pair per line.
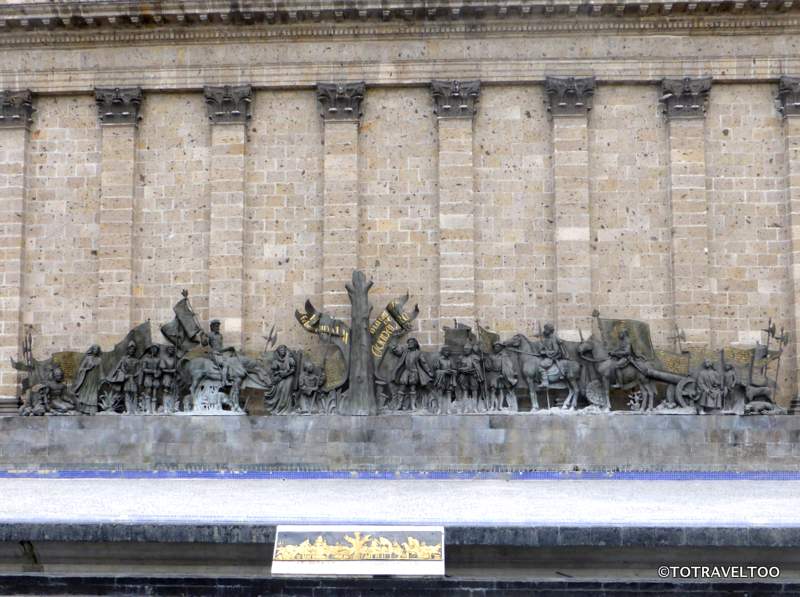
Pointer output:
403, 442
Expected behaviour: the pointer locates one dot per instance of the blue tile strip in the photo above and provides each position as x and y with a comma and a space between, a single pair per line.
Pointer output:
70, 473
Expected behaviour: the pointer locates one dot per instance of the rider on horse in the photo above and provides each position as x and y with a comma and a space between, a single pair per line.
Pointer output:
551, 352
214, 341
625, 355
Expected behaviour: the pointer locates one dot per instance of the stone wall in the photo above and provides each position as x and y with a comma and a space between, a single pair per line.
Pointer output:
405, 442
512, 216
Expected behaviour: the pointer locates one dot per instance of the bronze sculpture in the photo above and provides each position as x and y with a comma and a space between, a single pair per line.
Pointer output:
367, 371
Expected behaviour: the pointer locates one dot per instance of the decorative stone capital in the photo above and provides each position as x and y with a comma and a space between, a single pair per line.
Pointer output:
118, 105
789, 96
685, 98
16, 108
455, 99
340, 101
229, 104
569, 96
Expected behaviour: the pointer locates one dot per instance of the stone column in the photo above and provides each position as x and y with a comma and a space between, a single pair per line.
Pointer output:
789, 105
684, 102
119, 115
340, 108
569, 102
229, 112
455, 105
15, 115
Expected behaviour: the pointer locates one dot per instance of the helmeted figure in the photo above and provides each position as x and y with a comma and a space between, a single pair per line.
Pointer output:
471, 377
445, 380
412, 373
168, 367
87, 381
151, 379
127, 374
502, 379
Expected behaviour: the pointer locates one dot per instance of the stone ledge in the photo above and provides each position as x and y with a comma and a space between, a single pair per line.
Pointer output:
492, 535
544, 442
88, 13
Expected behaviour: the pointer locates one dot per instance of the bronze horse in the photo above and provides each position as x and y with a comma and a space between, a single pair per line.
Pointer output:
530, 366
630, 376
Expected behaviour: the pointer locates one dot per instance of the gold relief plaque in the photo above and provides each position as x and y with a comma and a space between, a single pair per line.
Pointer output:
358, 550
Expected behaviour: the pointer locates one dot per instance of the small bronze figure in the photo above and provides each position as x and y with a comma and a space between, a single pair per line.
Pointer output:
502, 380
445, 380
168, 366
278, 398
151, 379
471, 378
128, 375
412, 373
87, 381
217, 349
57, 396
309, 385
709, 388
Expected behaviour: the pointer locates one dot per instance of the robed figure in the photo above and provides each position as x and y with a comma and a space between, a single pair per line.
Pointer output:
87, 382
278, 398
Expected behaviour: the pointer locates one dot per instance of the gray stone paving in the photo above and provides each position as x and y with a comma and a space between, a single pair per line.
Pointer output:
447, 502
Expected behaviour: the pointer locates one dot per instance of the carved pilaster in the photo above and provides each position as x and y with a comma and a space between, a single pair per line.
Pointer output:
455, 99
229, 104
118, 105
789, 96
569, 96
340, 101
16, 108
685, 98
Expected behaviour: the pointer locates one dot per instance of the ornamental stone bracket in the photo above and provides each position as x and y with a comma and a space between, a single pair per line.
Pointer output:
685, 98
789, 96
16, 108
569, 96
455, 99
119, 105
229, 104
340, 101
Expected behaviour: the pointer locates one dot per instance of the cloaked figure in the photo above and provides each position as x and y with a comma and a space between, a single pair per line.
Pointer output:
278, 398
411, 373
128, 375
87, 381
